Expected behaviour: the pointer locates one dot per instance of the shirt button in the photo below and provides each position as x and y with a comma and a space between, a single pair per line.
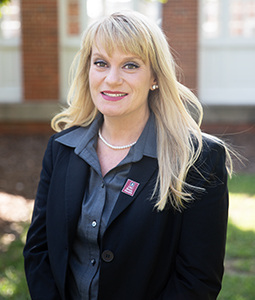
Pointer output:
94, 224
93, 261
102, 184
107, 256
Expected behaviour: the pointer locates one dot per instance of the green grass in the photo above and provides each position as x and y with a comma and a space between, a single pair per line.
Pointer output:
239, 277
12, 278
242, 184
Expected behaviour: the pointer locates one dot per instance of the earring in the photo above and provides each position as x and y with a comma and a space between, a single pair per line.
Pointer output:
154, 87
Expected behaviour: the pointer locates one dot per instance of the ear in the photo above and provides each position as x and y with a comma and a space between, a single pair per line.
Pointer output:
154, 84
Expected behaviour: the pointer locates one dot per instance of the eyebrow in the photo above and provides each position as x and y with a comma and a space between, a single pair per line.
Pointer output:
125, 58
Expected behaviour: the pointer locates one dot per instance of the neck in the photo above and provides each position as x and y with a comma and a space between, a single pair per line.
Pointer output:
123, 131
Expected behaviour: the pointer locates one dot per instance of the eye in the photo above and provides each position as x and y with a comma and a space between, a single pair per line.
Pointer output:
100, 64
131, 66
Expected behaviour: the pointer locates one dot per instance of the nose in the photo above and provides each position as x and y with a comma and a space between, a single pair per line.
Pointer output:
113, 76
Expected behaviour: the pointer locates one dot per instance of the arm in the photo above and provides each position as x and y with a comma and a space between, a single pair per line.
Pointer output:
199, 262
37, 267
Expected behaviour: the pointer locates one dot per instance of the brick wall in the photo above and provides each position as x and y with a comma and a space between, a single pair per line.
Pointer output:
73, 17
40, 50
180, 24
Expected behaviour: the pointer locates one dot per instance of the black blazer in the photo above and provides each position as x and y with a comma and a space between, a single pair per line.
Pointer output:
145, 254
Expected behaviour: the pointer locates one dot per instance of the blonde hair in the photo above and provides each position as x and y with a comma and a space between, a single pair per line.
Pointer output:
179, 138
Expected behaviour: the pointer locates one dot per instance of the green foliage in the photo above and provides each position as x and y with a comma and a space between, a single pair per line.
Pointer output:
12, 278
4, 2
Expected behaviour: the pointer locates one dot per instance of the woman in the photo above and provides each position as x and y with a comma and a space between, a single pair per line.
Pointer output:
132, 202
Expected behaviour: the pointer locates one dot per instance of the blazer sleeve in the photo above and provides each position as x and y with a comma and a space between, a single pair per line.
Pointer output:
199, 262
37, 267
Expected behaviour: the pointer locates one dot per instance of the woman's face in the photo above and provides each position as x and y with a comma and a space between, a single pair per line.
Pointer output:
120, 83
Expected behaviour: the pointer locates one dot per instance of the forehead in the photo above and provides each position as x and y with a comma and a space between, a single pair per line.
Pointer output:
115, 52
113, 44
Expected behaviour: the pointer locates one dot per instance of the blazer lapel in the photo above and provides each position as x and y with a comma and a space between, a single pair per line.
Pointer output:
76, 181
140, 173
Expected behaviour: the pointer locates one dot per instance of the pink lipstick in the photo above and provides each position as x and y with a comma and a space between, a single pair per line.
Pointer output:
113, 95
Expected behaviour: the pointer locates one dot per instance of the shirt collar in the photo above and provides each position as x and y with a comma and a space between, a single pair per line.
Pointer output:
80, 137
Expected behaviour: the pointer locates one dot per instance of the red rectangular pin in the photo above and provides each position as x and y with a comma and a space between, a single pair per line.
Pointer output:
130, 187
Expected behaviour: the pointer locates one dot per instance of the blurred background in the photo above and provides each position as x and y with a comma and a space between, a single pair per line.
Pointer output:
213, 41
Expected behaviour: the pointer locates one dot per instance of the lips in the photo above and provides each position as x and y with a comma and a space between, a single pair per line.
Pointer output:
113, 95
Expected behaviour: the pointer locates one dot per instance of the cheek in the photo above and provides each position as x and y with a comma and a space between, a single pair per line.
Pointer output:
92, 82
94, 79
92, 86
90, 78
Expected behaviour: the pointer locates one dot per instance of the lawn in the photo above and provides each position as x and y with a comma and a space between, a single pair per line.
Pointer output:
239, 278
12, 278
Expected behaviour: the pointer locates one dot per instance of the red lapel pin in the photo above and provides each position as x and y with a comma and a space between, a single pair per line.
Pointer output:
130, 187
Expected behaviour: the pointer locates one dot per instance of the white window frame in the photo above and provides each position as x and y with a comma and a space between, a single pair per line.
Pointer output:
11, 91
225, 42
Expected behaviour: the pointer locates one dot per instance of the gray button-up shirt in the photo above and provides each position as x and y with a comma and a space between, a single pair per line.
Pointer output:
99, 200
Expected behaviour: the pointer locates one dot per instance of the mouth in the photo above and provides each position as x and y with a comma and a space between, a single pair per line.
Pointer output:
113, 96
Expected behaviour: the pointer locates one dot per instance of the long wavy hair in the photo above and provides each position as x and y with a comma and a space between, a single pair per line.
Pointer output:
179, 138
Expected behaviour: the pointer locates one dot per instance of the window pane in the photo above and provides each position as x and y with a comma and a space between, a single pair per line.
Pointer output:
112, 5
10, 20
242, 18
95, 8
210, 18
86, 11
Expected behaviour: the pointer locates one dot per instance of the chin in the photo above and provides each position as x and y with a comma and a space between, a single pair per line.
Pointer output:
110, 111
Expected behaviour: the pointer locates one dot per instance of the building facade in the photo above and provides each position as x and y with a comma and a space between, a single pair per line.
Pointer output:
213, 41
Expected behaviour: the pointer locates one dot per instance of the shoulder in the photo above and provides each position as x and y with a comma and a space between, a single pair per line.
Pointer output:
211, 141
213, 148
63, 132
211, 163
207, 178
54, 146
71, 136
55, 137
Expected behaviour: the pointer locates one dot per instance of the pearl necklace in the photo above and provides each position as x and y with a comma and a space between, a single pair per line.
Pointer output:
114, 147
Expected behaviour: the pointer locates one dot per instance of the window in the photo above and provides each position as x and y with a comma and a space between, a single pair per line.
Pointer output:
228, 19
10, 21
210, 22
10, 54
242, 18
80, 13
226, 52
